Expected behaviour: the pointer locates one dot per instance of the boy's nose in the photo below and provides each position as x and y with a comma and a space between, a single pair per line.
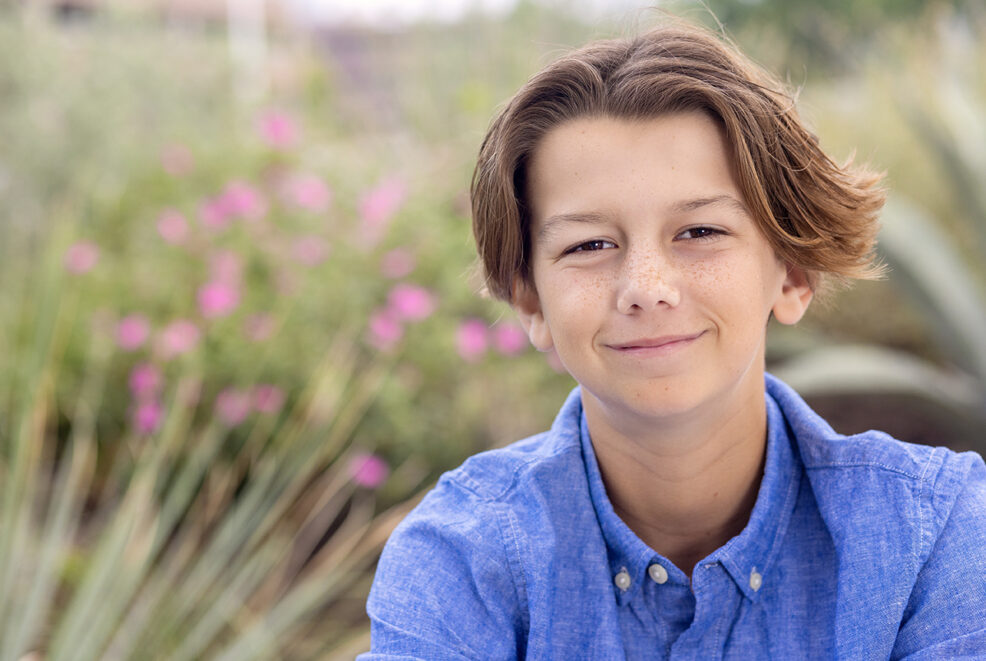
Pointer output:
646, 282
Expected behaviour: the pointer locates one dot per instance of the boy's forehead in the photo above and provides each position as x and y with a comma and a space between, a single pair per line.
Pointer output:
583, 167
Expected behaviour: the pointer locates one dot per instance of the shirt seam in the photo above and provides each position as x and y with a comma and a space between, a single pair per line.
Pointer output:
925, 506
719, 627
790, 502
511, 536
951, 480
467, 482
866, 464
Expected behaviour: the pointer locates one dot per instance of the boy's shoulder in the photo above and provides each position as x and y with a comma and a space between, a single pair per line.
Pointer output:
495, 474
874, 469
823, 448
480, 508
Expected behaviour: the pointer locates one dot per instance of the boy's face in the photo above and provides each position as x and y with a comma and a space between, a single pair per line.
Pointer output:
653, 283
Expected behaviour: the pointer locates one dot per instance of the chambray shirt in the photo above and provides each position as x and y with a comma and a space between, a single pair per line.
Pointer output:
859, 547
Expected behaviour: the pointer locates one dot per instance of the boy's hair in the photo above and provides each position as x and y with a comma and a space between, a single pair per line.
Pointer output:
816, 214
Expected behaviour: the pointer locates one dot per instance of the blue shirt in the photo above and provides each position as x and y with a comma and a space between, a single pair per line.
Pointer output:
859, 547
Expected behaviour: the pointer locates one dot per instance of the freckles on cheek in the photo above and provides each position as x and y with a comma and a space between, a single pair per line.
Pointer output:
592, 289
711, 274
579, 290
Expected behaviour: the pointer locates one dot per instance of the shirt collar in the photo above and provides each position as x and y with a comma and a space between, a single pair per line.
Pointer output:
751, 552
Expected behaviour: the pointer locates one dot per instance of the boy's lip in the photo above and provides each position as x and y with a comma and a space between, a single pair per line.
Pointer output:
663, 341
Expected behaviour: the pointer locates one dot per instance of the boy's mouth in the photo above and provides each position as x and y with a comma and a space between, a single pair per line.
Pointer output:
649, 344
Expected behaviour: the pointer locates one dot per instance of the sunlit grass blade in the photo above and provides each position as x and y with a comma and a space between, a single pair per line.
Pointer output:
69, 486
114, 566
47, 323
262, 638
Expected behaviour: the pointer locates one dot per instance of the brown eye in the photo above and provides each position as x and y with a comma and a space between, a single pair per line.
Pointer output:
699, 233
591, 246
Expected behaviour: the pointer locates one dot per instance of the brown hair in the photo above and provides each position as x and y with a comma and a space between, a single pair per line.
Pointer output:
816, 214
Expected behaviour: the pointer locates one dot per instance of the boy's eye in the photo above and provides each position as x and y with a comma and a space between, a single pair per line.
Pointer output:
590, 246
700, 233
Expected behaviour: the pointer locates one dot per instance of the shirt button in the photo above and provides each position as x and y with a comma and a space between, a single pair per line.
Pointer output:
622, 580
658, 574
756, 580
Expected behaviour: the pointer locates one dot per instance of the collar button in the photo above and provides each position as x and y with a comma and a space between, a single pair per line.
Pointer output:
756, 580
658, 573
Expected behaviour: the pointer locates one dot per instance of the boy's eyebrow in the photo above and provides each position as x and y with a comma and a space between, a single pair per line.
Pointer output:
554, 221
724, 199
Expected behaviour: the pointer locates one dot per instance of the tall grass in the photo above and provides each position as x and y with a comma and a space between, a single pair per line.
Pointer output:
174, 552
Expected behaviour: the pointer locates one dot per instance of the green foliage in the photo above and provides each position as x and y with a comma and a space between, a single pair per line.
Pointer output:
828, 36
223, 324
922, 119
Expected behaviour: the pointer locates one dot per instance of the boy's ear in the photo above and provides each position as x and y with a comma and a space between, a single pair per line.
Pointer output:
796, 294
525, 302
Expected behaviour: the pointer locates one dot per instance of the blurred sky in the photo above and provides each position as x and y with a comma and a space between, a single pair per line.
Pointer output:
395, 12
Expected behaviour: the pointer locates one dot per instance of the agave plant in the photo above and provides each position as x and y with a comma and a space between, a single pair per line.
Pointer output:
940, 276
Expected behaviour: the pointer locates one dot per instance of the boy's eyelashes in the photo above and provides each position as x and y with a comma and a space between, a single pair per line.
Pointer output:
698, 233
589, 246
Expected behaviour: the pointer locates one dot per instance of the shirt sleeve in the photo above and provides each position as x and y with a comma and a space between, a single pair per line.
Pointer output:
443, 587
945, 617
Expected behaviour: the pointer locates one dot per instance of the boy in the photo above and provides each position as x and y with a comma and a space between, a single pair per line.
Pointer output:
645, 206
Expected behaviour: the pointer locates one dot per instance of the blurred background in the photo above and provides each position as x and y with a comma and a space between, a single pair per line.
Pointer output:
242, 331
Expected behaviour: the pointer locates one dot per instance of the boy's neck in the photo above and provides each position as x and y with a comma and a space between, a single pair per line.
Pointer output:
685, 490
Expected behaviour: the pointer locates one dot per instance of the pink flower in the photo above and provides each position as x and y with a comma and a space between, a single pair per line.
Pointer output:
258, 327
307, 191
509, 338
81, 257
145, 381
218, 299
278, 129
132, 332
177, 160
241, 200
178, 337
172, 227
471, 339
147, 416
267, 398
378, 206
213, 214
232, 406
397, 263
237, 200
226, 266
410, 302
385, 330
368, 470
310, 250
